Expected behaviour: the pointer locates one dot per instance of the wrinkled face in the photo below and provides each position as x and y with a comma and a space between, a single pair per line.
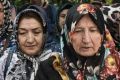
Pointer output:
30, 36
86, 38
1, 15
62, 18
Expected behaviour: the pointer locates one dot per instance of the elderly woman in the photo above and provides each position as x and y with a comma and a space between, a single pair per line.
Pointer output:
85, 50
86, 56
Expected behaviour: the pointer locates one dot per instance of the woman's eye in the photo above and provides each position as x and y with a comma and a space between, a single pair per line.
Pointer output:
38, 32
21, 33
63, 15
93, 30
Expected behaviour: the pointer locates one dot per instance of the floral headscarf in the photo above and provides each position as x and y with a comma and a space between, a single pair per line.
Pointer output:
94, 67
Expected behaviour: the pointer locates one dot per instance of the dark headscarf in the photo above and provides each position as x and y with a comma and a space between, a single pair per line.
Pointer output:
61, 8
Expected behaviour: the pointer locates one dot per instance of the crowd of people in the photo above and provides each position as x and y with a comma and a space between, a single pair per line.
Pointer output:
72, 41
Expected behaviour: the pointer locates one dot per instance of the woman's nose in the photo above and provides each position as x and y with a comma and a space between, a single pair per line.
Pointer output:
30, 37
86, 37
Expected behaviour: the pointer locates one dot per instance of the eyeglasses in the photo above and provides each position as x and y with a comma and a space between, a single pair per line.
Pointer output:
85, 8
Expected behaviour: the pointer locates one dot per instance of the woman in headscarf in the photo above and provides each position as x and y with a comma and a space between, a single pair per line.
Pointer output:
30, 33
60, 21
61, 15
86, 38
87, 54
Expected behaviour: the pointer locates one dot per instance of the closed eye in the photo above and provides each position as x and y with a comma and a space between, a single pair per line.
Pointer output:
78, 31
94, 30
22, 33
37, 32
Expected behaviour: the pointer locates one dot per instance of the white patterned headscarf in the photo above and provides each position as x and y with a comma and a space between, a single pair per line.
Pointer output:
7, 22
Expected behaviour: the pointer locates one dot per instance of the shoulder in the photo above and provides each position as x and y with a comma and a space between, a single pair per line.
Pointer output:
49, 65
47, 54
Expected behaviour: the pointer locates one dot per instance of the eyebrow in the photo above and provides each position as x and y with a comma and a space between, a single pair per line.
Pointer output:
63, 14
37, 28
78, 28
83, 27
32, 29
